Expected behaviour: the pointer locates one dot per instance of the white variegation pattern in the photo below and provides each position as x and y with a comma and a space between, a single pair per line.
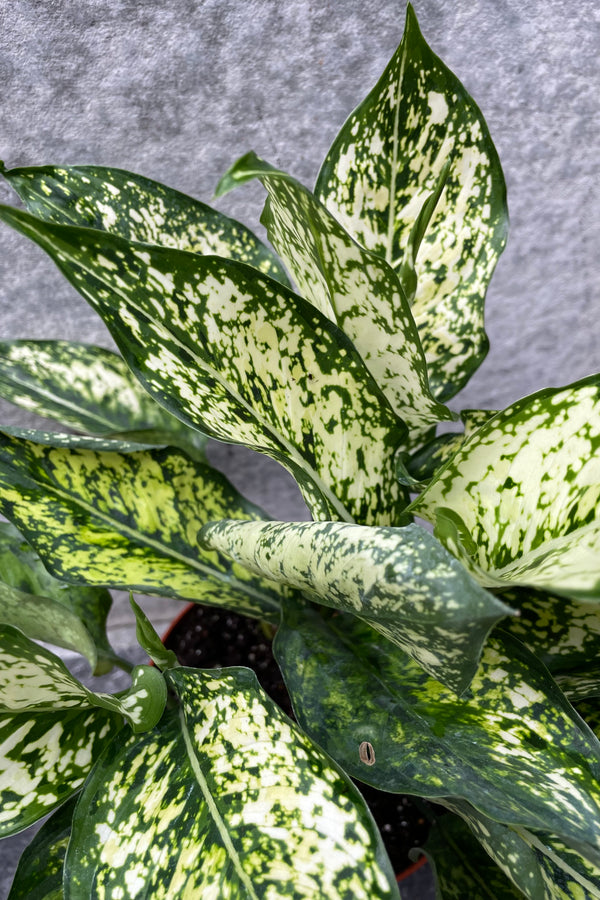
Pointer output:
540, 864
383, 168
238, 355
399, 580
45, 757
138, 209
32, 680
353, 287
518, 501
229, 799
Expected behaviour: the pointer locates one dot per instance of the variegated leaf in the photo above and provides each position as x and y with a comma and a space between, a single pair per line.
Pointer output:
47, 609
399, 580
512, 745
32, 680
236, 354
425, 461
229, 799
138, 209
462, 868
540, 864
89, 389
39, 875
563, 633
350, 285
518, 501
45, 758
128, 520
382, 169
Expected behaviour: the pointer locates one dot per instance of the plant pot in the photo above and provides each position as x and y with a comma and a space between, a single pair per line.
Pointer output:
208, 637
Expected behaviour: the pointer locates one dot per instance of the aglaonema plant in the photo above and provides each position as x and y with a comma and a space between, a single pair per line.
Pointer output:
457, 666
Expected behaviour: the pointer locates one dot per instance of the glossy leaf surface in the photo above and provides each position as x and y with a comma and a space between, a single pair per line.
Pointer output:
518, 501
512, 746
39, 875
399, 580
138, 209
386, 163
46, 757
236, 354
149, 640
128, 520
540, 864
32, 679
462, 867
350, 285
47, 609
89, 389
230, 799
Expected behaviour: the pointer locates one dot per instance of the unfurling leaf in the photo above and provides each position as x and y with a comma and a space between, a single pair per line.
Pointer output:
383, 169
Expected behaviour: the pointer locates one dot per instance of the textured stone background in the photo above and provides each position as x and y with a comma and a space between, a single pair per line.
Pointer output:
178, 90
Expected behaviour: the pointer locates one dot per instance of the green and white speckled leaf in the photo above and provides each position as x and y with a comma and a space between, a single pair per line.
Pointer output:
518, 501
128, 520
512, 745
149, 640
462, 867
89, 389
540, 864
138, 209
563, 633
47, 609
386, 163
238, 355
352, 286
45, 757
229, 799
32, 680
399, 580
425, 462
39, 875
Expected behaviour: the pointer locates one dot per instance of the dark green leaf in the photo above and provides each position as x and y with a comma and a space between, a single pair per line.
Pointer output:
399, 580
512, 746
39, 875
541, 865
138, 209
462, 867
89, 389
386, 164
149, 640
128, 520
229, 799
47, 609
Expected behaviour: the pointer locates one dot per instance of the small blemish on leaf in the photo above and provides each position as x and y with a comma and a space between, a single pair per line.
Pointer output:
367, 753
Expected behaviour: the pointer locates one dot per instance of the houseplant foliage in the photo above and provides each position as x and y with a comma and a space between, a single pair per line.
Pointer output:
442, 665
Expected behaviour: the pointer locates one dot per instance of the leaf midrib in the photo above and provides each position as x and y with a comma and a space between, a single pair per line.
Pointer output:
163, 550
39, 391
214, 810
528, 838
203, 364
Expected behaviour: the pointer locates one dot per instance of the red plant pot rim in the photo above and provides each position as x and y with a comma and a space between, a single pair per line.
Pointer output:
406, 873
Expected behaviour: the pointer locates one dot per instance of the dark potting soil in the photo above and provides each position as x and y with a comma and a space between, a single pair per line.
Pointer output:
206, 637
